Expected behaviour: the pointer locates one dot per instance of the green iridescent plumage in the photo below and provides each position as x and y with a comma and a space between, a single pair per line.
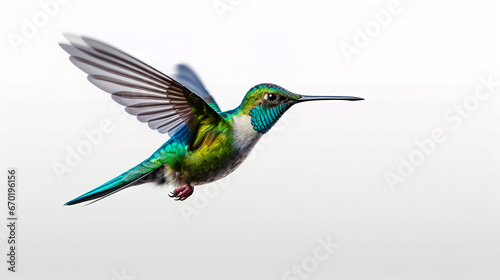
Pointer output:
205, 145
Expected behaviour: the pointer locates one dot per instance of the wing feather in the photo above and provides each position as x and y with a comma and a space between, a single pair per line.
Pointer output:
189, 79
166, 104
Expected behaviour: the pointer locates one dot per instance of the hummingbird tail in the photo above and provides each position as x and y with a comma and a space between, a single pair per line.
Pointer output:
127, 179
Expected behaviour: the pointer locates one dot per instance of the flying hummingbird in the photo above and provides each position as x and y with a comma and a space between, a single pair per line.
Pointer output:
205, 143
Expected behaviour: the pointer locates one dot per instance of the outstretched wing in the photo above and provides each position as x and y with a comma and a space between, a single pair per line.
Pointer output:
186, 76
164, 103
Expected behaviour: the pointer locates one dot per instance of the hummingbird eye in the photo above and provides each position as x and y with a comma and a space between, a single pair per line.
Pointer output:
272, 97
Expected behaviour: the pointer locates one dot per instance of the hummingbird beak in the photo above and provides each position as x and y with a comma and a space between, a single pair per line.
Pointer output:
304, 98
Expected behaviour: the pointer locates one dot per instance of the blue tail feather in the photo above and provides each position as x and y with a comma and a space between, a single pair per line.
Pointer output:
126, 179
147, 171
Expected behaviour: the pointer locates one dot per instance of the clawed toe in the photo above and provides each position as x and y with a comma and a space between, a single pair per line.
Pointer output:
182, 193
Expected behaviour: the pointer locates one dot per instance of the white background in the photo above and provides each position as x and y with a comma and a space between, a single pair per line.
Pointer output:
319, 173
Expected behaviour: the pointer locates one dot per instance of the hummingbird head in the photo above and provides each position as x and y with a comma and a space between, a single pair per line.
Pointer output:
266, 103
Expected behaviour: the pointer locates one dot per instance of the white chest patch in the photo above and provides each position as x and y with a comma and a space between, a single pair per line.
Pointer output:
245, 137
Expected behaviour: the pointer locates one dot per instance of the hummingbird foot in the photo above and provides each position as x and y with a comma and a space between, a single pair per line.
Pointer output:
182, 193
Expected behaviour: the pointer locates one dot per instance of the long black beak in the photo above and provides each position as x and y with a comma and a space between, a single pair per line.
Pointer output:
304, 98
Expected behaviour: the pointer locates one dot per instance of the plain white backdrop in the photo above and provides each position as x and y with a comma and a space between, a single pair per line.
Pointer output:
320, 173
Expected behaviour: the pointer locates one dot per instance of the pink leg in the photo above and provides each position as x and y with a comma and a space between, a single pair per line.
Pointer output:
182, 193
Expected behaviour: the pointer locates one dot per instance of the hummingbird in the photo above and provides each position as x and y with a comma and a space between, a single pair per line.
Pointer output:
205, 144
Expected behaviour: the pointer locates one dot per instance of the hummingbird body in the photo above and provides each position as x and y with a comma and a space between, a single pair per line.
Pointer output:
205, 145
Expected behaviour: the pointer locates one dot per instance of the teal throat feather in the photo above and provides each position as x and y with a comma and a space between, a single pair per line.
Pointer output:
264, 118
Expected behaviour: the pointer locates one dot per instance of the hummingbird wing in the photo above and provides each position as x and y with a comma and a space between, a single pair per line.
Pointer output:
186, 76
155, 98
